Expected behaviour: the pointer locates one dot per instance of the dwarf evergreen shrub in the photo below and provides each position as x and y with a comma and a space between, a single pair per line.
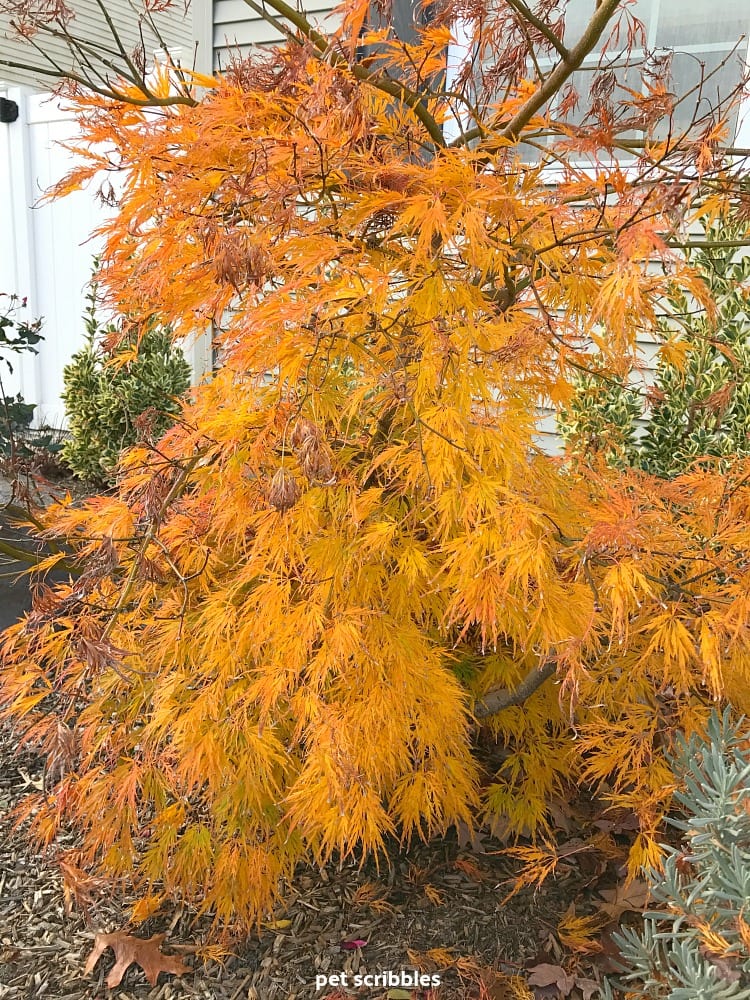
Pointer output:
107, 391
602, 419
699, 404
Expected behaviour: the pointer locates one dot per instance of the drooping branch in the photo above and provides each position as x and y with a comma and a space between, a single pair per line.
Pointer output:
109, 91
18, 554
21, 555
30, 558
497, 699
322, 45
562, 72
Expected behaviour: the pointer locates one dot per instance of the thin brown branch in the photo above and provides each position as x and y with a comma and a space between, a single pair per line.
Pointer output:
708, 244
120, 47
544, 29
282, 28
497, 699
111, 93
628, 144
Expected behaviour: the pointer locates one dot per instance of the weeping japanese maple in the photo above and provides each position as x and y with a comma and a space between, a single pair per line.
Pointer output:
294, 613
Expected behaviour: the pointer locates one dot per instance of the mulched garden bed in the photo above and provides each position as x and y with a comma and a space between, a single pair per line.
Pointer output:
438, 906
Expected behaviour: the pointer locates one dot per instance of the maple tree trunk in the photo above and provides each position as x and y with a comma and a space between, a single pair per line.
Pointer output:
497, 699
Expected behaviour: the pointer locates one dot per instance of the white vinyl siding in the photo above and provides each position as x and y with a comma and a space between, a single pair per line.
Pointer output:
237, 28
47, 251
90, 25
48, 258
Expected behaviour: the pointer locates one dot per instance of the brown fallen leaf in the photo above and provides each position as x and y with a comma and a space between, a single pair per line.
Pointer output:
467, 837
624, 897
726, 968
609, 960
128, 950
545, 974
588, 988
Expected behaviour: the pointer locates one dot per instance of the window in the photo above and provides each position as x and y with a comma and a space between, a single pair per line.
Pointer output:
406, 16
705, 43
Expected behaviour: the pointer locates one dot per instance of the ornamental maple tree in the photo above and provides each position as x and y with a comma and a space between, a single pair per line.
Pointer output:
297, 610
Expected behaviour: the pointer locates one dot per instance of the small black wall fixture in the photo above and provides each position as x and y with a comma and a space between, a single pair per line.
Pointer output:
8, 110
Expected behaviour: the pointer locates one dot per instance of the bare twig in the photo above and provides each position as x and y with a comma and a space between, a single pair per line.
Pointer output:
552, 84
527, 15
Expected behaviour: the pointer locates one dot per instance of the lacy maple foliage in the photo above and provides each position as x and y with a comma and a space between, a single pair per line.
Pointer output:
295, 610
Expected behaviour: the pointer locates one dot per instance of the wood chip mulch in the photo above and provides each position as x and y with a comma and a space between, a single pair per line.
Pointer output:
438, 907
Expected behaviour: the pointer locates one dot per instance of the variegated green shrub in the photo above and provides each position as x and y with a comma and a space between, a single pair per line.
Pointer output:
699, 404
105, 396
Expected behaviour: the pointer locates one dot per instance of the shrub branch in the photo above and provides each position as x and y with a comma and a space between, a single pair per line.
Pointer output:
497, 699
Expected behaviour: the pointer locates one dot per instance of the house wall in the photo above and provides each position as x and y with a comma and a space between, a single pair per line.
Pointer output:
236, 28
174, 26
47, 249
48, 257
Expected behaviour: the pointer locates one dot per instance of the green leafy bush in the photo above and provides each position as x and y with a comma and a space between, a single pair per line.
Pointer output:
695, 940
699, 404
17, 336
602, 419
703, 407
112, 398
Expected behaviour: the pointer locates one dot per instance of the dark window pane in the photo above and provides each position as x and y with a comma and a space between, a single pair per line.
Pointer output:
406, 16
719, 81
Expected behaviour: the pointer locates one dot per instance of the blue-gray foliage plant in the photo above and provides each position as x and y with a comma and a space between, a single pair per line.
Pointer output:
695, 940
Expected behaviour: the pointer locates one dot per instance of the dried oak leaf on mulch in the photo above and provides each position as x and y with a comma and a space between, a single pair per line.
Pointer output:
130, 950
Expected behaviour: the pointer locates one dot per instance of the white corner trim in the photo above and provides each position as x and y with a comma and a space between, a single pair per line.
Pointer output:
203, 37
